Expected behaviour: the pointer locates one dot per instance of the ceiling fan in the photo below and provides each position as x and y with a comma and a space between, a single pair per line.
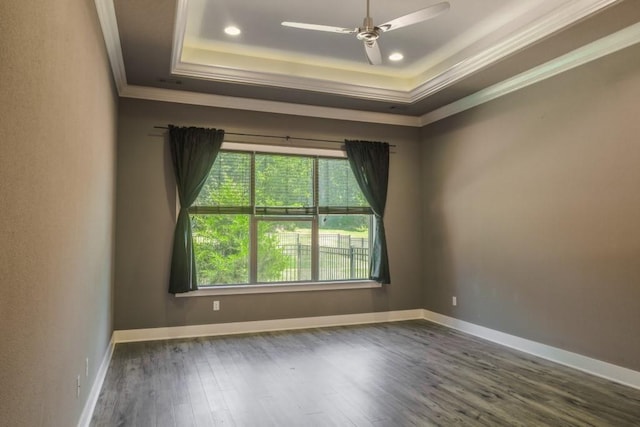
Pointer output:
370, 33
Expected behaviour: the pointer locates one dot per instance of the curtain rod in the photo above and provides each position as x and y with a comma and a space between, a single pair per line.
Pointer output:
285, 137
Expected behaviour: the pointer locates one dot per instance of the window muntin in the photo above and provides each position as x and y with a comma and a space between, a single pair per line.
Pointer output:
273, 218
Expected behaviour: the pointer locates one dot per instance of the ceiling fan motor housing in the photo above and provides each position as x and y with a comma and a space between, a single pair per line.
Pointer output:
368, 32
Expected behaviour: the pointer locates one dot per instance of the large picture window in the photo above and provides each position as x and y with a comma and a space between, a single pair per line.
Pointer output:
264, 218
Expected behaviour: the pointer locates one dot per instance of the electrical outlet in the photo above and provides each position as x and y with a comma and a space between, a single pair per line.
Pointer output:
454, 301
78, 386
86, 367
216, 305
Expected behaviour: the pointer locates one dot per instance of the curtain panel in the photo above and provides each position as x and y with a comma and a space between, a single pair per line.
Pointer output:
193, 151
370, 164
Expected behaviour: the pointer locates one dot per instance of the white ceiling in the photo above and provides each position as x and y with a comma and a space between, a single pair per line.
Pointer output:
263, 38
180, 45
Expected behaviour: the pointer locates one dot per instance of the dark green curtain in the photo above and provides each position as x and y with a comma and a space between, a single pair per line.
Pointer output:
370, 164
193, 151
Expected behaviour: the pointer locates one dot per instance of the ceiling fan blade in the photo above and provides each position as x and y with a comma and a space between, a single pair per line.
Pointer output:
372, 49
317, 27
415, 17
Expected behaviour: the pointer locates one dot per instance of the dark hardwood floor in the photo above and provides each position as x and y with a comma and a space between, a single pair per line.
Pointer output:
393, 374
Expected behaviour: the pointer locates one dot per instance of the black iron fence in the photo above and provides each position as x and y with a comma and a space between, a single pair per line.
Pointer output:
341, 256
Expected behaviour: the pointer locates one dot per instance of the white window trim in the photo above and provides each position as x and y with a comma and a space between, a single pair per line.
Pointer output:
282, 149
271, 288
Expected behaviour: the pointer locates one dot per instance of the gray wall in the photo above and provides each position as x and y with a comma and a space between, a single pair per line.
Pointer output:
532, 212
146, 218
57, 179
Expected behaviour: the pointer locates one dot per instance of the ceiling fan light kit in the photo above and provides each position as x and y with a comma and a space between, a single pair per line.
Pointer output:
369, 33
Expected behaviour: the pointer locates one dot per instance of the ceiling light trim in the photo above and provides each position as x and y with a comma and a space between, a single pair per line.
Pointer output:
259, 105
604, 46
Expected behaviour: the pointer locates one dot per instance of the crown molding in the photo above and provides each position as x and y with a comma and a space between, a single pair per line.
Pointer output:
179, 30
560, 17
247, 104
108, 22
565, 14
594, 50
241, 76
234, 75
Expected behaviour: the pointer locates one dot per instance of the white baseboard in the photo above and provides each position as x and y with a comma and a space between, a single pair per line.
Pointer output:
90, 404
263, 326
586, 364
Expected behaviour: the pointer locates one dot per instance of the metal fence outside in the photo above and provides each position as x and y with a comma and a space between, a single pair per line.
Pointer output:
342, 257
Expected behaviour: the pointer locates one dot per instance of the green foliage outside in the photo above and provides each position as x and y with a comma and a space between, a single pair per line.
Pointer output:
221, 244
338, 187
284, 181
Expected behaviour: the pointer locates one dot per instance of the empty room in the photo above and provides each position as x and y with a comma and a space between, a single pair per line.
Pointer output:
340, 213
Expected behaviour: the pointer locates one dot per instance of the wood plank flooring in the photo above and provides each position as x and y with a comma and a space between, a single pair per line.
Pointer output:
394, 374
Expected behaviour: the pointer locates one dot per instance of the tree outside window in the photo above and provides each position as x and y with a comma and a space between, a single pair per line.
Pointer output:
265, 218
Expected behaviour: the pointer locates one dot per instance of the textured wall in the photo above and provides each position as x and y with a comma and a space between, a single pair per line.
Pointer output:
532, 212
57, 179
146, 218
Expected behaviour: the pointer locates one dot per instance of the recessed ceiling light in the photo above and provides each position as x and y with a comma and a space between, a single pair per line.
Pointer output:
396, 56
232, 31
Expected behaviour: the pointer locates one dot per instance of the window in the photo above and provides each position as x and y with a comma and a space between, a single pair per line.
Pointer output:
264, 218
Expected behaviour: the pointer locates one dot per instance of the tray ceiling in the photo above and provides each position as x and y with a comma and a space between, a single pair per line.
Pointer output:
181, 45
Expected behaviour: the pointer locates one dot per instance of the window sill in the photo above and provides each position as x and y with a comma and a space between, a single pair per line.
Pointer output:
280, 287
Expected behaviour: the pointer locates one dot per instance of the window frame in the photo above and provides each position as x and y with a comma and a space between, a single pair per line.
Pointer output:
254, 287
